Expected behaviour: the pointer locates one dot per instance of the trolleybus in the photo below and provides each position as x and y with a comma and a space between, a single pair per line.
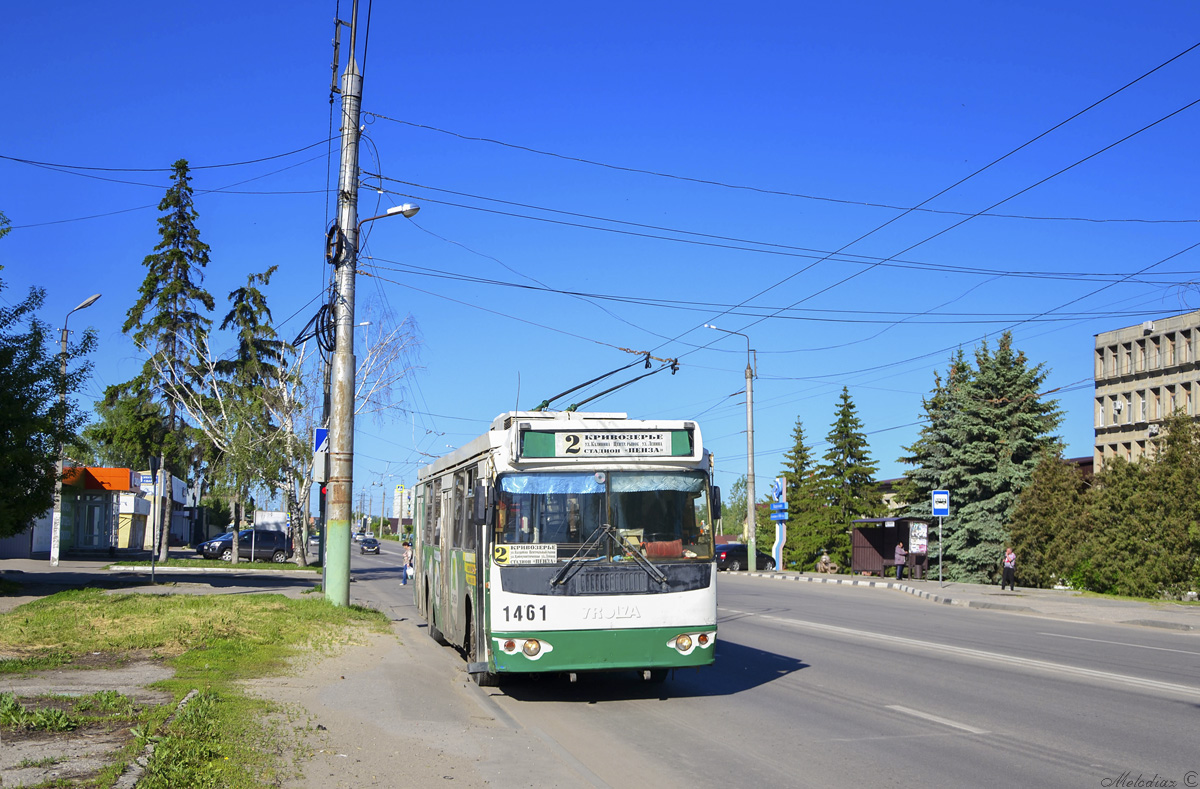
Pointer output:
570, 542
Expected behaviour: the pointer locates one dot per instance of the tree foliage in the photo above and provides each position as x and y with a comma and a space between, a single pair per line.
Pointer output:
849, 474
1048, 519
1134, 531
987, 426
810, 527
170, 316
36, 412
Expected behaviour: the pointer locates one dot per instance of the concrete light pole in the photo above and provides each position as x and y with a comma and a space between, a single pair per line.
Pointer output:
341, 423
56, 520
751, 523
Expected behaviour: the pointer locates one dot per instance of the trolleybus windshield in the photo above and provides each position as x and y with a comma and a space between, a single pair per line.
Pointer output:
664, 515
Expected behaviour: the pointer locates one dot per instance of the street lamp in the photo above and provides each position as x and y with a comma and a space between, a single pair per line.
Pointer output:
341, 423
751, 525
56, 520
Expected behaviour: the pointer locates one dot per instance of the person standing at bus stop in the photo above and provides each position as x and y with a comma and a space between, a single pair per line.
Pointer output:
900, 557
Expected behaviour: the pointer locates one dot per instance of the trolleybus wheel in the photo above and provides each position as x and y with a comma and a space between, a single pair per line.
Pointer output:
484, 679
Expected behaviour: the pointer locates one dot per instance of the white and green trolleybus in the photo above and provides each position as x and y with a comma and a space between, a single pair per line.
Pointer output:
562, 542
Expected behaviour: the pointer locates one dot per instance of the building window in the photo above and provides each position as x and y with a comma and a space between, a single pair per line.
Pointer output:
1155, 404
1170, 401
1127, 404
1169, 341
1101, 367
1142, 407
1128, 359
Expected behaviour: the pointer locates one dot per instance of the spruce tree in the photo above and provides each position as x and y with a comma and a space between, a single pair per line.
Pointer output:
809, 527
996, 430
166, 321
929, 455
849, 473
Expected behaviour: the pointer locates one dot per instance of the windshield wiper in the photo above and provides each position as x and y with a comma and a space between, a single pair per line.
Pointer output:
590, 542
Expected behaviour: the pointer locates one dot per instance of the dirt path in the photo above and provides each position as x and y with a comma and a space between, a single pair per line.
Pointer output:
400, 711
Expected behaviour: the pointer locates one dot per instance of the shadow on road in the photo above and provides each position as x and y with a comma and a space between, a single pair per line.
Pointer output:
737, 668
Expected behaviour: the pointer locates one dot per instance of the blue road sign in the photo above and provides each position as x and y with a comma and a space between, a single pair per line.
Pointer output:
779, 505
321, 439
779, 516
941, 503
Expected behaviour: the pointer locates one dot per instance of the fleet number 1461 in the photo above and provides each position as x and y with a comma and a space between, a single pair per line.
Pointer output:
524, 613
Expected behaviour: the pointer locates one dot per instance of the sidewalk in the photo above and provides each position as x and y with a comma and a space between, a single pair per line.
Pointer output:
1058, 603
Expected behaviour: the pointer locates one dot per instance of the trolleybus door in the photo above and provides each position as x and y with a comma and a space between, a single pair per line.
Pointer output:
443, 567
481, 523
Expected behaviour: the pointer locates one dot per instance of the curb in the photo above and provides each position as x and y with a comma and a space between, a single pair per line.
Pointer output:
867, 582
213, 571
947, 600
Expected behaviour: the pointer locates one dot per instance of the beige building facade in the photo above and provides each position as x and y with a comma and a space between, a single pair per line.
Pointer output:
1144, 374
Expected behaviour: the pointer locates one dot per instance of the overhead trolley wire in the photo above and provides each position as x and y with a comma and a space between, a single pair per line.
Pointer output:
761, 190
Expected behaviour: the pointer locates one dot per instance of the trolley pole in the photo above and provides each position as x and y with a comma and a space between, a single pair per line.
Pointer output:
341, 427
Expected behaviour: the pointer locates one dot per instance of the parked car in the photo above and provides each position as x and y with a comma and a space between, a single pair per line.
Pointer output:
368, 545
314, 543
253, 544
732, 556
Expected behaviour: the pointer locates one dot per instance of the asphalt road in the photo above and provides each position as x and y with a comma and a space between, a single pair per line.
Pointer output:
826, 686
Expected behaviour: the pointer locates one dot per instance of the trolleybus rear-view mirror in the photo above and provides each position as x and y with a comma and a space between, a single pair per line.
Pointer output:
716, 503
484, 502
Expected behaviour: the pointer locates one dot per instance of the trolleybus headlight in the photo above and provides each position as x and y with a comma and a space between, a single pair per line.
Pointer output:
532, 647
686, 643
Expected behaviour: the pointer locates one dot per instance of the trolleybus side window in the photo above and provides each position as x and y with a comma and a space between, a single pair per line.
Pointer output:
457, 525
435, 512
470, 539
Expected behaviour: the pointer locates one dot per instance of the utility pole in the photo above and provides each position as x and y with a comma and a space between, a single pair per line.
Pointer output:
341, 427
751, 522
751, 519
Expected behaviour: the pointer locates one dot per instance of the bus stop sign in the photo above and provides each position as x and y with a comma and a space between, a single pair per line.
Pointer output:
941, 503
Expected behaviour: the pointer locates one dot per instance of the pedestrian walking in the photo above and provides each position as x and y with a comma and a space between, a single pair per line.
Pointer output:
1010, 569
900, 557
406, 556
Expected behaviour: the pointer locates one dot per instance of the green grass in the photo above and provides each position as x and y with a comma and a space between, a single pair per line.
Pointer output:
211, 641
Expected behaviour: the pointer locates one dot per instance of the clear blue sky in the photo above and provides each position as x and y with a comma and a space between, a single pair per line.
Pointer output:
709, 157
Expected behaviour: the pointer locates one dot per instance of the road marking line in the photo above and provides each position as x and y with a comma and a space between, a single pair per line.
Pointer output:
1105, 677
1121, 643
936, 719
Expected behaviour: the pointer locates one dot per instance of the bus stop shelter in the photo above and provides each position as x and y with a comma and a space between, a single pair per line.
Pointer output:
873, 545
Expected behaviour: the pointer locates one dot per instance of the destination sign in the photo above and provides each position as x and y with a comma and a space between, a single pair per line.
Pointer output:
606, 443
525, 553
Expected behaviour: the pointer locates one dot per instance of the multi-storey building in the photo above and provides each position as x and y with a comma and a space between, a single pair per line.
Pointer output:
1144, 373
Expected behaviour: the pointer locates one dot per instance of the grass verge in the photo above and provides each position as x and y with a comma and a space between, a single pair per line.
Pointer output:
213, 642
